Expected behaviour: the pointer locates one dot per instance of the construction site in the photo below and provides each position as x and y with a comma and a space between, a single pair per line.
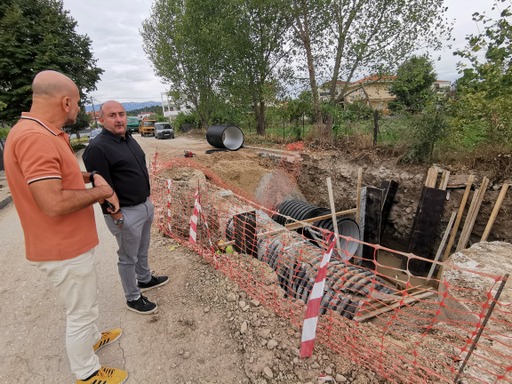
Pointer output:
414, 269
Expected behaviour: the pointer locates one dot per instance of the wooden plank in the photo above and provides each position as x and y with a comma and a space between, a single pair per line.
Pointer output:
334, 221
476, 202
441, 245
424, 231
495, 211
444, 179
358, 193
387, 308
307, 222
379, 299
431, 179
457, 181
462, 206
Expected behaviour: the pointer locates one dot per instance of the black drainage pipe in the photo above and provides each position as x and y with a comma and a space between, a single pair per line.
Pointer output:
225, 136
300, 210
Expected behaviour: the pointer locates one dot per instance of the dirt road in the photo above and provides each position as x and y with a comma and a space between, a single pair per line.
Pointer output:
178, 345
207, 330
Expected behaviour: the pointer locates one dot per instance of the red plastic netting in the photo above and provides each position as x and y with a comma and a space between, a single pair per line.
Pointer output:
407, 329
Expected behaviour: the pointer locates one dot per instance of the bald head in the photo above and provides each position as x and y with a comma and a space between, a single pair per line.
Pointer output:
113, 117
109, 105
55, 98
52, 84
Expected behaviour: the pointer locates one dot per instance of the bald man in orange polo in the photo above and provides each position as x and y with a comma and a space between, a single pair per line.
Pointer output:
56, 213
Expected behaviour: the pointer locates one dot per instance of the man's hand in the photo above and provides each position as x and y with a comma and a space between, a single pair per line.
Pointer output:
113, 203
111, 198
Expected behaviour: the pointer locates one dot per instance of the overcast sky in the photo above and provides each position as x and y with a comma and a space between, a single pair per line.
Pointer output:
113, 26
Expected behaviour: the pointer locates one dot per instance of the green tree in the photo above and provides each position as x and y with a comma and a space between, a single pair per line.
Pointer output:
485, 89
185, 42
256, 51
413, 84
428, 128
37, 35
363, 36
213, 52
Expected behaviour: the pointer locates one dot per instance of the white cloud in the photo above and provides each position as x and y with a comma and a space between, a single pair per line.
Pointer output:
461, 12
113, 26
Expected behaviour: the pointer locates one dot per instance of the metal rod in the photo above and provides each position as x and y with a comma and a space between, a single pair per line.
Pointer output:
477, 337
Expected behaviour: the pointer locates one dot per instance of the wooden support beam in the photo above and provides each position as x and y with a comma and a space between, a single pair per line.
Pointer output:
308, 222
380, 307
431, 179
333, 217
476, 202
441, 245
462, 206
245, 233
444, 180
495, 211
358, 193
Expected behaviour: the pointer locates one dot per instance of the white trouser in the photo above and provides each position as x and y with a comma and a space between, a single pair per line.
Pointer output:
76, 283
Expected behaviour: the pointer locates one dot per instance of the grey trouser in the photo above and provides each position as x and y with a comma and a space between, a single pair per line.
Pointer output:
133, 239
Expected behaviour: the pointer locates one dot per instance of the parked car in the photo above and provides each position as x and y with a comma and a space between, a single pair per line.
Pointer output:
163, 131
94, 133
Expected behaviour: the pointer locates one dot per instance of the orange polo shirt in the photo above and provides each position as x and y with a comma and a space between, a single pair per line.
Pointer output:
34, 151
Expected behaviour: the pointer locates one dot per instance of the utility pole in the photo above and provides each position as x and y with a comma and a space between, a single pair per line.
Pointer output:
94, 112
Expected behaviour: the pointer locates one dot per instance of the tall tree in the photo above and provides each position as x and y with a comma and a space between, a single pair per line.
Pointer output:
485, 89
257, 52
413, 84
184, 39
364, 36
37, 35
217, 51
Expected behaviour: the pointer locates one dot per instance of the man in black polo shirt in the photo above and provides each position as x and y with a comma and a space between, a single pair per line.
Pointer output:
116, 156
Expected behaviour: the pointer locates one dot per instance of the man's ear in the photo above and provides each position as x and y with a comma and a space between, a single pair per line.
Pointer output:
65, 103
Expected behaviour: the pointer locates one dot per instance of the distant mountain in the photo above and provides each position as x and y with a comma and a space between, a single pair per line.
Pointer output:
129, 106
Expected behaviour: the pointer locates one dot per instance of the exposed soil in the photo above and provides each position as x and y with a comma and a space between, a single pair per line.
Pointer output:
266, 348
269, 176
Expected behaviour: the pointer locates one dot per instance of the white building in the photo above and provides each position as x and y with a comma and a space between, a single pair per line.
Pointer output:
171, 108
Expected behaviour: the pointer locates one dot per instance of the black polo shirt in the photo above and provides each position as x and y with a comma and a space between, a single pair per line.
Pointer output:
122, 163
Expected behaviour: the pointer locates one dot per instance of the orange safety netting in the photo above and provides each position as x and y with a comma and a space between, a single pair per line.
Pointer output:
405, 328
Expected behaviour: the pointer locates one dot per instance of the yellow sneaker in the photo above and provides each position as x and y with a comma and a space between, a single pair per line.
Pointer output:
106, 376
108, 337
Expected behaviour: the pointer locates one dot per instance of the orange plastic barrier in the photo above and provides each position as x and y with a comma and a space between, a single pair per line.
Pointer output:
405, 328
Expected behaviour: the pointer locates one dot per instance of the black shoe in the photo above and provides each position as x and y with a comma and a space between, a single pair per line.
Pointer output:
142, 305
156, 281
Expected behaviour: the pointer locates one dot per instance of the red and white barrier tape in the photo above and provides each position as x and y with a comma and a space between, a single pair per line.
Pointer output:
169, 197
314, 302
194, 218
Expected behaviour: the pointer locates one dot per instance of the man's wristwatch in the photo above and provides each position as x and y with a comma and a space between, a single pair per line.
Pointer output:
91, 177
119, 221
